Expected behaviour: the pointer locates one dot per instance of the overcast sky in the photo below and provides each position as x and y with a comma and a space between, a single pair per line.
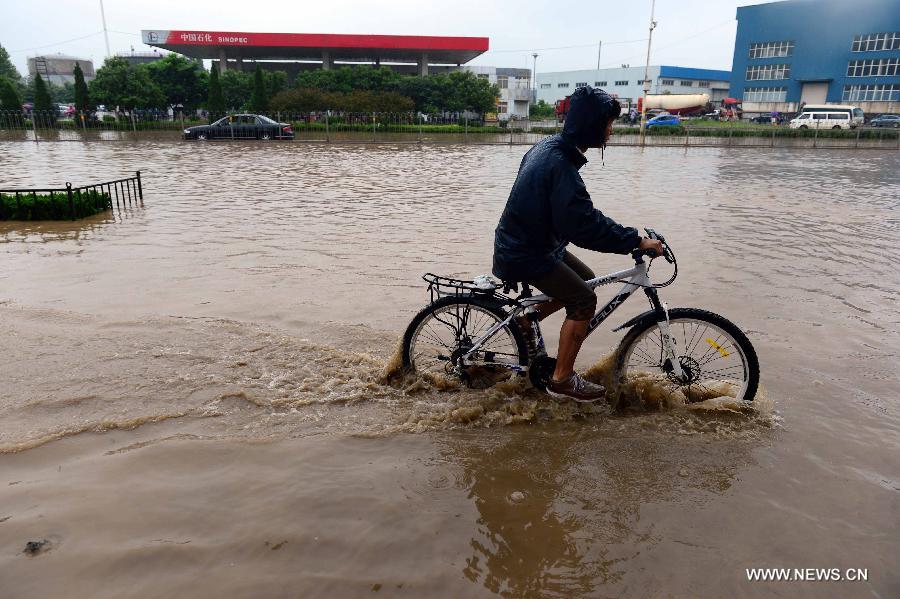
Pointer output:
693, 33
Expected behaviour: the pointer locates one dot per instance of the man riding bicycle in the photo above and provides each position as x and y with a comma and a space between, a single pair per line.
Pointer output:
548, 208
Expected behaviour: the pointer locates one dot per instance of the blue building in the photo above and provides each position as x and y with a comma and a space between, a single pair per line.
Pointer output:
818, 52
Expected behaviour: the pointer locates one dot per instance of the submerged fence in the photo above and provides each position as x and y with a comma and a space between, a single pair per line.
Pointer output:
70, 202
413, 127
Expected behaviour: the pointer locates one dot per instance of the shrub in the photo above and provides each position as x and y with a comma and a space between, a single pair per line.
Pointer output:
52, 206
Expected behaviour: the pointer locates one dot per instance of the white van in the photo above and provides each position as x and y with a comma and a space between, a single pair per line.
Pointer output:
857, 116
821, 120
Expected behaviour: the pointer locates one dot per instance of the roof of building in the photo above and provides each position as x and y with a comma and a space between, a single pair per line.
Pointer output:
60, 57
691, 73
311, 46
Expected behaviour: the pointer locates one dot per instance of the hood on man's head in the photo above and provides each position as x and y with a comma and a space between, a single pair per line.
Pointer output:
590, 110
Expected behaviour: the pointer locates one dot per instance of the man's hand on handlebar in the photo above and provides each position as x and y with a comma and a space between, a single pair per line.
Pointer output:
651, 244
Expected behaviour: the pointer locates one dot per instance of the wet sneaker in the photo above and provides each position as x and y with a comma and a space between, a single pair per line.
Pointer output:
576, 388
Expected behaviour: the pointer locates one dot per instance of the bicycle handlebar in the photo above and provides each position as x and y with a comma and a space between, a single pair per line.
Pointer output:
667, 253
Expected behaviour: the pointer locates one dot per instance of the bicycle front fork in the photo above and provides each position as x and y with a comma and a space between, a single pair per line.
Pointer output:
670, 362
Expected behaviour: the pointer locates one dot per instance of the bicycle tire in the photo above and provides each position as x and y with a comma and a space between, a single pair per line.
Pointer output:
518, 350
750, 362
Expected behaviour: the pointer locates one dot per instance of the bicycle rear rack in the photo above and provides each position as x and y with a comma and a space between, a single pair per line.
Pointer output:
439, 286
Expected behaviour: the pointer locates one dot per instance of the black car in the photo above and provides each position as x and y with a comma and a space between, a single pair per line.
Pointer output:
886, 120
241, 126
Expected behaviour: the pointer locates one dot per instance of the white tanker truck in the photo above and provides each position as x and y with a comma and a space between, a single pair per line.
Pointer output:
675, 103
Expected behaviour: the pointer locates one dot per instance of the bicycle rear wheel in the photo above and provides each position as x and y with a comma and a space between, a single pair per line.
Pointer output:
443, 331
715, 356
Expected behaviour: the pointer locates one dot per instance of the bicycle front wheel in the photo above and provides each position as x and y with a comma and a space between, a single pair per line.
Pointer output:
442, 332
715, 356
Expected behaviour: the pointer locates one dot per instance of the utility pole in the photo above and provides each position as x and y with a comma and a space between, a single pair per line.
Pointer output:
105, 34
599, 47
534, 78
647, 73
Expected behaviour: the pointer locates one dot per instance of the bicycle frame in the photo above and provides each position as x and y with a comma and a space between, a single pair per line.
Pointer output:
634, 278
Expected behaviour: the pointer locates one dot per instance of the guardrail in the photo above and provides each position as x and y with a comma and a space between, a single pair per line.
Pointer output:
415, 127
74, 202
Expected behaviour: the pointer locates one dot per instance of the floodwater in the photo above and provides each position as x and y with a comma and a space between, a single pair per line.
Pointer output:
194, 400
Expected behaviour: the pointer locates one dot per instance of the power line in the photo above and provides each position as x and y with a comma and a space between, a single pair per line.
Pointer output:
74, 39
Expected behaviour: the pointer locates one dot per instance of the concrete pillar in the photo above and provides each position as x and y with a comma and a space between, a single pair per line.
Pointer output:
239, 64
423, 65
327, 64
223, 60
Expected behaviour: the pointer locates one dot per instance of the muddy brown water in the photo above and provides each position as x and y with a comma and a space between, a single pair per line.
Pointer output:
192, 398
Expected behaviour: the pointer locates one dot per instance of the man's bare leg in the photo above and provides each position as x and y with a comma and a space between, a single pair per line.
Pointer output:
571, 336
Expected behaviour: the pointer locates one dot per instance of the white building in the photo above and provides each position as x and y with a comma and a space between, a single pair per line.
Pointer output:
627, 82
515, 89
59, 68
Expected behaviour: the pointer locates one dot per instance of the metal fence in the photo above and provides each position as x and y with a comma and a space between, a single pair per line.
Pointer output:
412, 127
64, 201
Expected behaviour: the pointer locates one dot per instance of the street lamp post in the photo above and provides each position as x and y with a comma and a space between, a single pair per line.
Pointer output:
534, 78
105, 34
647, 74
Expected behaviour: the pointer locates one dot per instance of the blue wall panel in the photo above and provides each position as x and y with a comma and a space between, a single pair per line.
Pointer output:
822, 31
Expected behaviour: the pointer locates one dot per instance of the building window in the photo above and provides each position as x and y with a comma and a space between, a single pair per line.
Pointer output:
483, 76
765, 94
768, 71
545, 86
503, 82
667, 82
502, 107
686, 83
703, 84
771, 49
885, 67
871, 93
874, 42
581, 84
562, 85
621, 83
599, 83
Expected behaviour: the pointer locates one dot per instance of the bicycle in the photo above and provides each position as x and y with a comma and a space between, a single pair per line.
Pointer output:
473, 325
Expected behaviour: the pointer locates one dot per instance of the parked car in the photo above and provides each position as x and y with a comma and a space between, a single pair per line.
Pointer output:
241, 126
886, 120
821, 120
664, 120
763, 119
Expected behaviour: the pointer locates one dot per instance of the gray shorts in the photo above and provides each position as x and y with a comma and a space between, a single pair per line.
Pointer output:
566, 283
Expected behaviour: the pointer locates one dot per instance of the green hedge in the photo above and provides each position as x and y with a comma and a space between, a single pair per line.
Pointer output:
52, 206
335, 127
681, 131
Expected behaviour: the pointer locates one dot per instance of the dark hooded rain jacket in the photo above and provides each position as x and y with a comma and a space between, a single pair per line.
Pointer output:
549, 206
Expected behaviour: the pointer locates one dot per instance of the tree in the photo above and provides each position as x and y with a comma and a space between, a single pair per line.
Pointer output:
541, 110
43, 103
216, 101
276, 82
124, 86
236, 88
82, 100
183, 82
7, 68
9, 97
259, 101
